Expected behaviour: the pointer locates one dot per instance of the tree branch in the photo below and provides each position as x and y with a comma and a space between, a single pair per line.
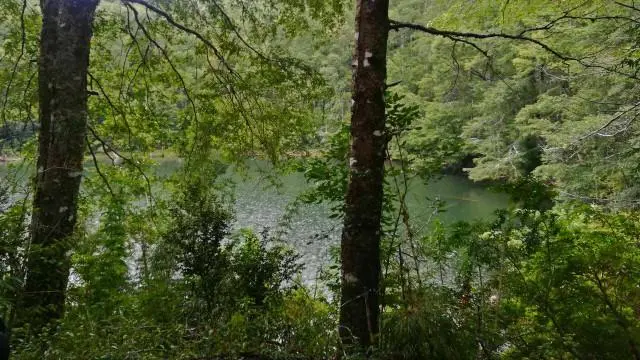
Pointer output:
111, 104
107, 146
396, 25
230, 24
171, 21
95, 164
628, 6
611, 121
167, 58
453, 35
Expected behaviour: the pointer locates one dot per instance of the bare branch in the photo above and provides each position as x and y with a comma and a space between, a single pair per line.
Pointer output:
604, 17
125, 61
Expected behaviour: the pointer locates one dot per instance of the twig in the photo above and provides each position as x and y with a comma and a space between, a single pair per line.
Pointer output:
95, 164
111, 105
106, 146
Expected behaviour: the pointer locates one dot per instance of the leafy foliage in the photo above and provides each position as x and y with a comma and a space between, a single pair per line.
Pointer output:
160, 271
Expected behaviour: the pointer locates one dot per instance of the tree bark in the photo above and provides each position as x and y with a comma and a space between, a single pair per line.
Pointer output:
64, 60
360, 252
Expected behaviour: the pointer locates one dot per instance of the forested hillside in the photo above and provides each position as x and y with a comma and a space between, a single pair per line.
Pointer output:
306, 179
564, 113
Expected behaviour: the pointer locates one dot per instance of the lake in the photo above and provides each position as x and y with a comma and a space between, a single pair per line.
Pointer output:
261, 206
313, 232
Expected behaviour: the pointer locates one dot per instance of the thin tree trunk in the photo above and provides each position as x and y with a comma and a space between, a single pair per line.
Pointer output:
360, 254
64, 59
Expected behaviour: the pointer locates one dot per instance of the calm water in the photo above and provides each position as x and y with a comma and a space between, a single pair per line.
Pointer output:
261, 206
313, 232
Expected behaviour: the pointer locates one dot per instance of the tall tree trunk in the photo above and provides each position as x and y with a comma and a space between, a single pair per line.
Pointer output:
361, 233
64, 60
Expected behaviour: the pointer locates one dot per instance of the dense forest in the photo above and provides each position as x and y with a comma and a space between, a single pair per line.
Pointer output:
308, 179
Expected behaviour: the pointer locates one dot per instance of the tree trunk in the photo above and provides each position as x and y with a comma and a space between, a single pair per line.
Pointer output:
360, 254
64, 60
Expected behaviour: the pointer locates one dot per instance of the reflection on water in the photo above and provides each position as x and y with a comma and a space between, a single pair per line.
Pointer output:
261, 206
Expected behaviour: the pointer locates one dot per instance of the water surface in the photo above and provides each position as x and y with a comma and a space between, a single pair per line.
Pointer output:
313, 232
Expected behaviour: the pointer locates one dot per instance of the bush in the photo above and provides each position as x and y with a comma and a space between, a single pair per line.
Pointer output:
531, 285
208, 294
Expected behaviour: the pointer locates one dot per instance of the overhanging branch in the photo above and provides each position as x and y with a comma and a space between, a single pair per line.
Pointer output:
171, 21
521, 37
397, 25
166, 56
